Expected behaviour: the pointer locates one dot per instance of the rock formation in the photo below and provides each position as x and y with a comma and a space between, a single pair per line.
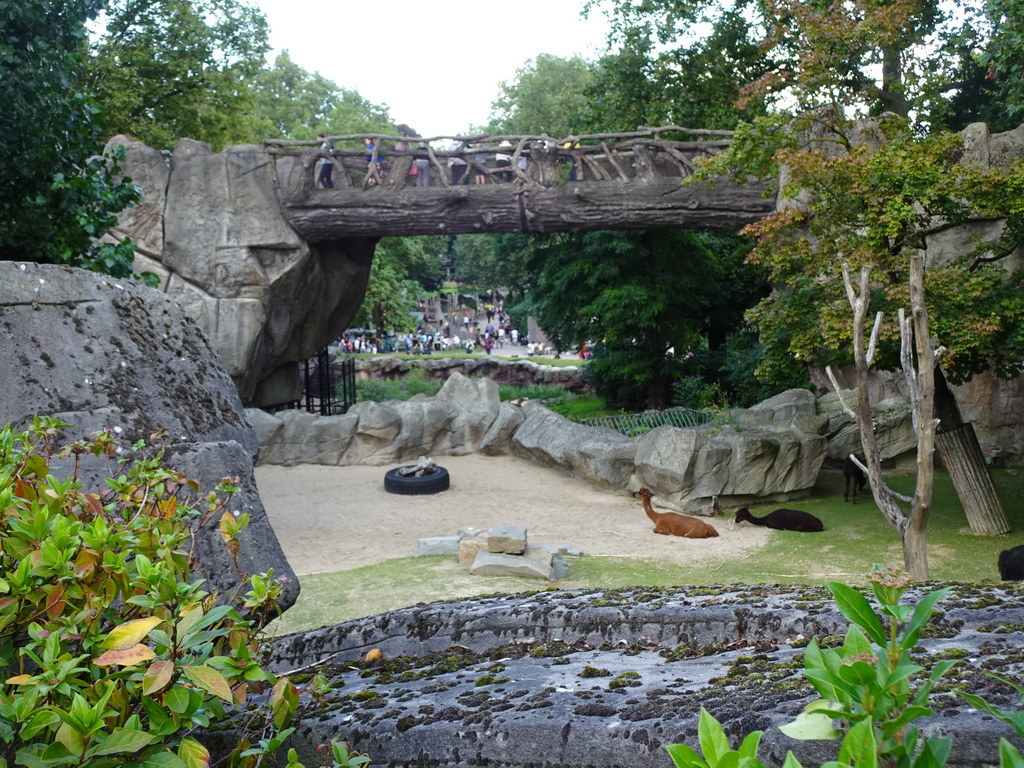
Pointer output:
774, 454
608, 677
518, 372
97, 353
211, 228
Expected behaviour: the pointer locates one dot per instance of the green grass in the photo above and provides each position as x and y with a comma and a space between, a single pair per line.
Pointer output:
855, 537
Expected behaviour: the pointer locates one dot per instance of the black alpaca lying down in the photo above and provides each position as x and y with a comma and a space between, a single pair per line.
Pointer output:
1011, 564
783, 520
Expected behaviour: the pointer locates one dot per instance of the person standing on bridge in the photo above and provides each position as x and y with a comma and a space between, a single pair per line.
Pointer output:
422, 165
479, 166
373, 166
326, 166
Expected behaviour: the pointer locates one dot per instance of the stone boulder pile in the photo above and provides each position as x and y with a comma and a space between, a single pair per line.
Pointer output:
500, 551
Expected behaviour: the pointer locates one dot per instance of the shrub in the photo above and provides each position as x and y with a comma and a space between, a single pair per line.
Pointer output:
111, 654
694, 392
415, 382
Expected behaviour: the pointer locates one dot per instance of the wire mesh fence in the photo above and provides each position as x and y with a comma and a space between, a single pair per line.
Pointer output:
633, 424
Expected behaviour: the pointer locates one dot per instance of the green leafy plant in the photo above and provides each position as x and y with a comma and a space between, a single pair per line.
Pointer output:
866, 683
111, 652
867, 697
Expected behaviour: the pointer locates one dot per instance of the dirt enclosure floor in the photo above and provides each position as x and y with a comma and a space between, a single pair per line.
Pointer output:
332, 519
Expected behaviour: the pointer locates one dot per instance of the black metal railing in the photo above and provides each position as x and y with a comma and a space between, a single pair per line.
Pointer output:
329, 387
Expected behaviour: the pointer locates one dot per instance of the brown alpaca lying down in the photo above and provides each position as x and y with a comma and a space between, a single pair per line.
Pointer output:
673, 524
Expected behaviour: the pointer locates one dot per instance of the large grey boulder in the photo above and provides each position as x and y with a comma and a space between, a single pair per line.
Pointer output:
891, 419
475, 404
598, 454
211, 227
608, 678
98, 353
686, 467
465, 417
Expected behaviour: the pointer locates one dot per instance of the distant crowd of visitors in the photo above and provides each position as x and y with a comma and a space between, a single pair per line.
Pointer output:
461, 334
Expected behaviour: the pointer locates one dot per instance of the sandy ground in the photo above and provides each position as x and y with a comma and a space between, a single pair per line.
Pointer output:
335, 518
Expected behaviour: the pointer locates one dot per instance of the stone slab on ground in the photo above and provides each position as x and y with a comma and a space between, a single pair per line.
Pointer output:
507, 539
438, 545
534, 563
470, 545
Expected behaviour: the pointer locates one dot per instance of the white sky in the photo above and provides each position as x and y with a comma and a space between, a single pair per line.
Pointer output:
435, 65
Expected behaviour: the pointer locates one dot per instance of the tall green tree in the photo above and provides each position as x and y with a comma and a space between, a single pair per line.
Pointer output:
871, 195
656, 74
638, 295
56, 194
167, 69
403, 269
548, 95
944, 65
290, 102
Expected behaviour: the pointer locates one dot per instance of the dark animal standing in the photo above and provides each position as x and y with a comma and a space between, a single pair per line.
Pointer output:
1011, 564
673, 524
782, 520
854, 477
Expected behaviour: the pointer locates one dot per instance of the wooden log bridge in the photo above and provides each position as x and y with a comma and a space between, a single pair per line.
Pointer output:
494, 184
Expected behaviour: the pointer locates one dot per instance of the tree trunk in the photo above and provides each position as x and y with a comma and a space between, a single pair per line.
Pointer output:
962, 456
915, 549
585, 206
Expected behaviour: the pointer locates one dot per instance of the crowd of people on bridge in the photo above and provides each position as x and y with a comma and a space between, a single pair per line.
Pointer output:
468, 158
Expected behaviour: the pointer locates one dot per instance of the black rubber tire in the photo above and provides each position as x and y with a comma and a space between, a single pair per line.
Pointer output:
435, 482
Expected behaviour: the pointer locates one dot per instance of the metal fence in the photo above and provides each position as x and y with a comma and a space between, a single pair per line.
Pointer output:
633, 424
329, 388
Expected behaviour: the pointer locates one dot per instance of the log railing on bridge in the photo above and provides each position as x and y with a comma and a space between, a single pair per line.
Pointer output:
644, 155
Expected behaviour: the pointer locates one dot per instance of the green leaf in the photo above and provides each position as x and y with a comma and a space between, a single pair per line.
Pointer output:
40, 720
830, 686
857, 673
129, 634
1009, 755
856, 608
922, 613
162, 760
858, 747
791, 761
123, 741
751, 743
684, 756
177, 700
194, 754
901, 672
810, 726
210, 680
713, 742
855, 643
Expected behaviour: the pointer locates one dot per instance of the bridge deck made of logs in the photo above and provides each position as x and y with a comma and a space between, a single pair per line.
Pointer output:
509, 184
